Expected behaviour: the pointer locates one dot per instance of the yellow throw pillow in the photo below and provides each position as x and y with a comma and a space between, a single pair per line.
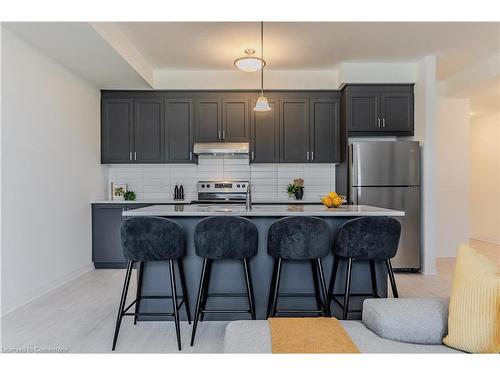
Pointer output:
474, 314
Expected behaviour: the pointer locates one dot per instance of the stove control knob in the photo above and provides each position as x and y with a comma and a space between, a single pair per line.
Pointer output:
208, 185
242, 185
238, 185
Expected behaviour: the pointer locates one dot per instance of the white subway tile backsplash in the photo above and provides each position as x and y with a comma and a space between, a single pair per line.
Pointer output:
268, 181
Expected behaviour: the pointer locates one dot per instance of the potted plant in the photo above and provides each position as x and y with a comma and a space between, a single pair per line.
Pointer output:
296, 189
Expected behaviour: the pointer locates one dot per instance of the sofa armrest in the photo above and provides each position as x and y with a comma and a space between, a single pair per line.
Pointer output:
411, 320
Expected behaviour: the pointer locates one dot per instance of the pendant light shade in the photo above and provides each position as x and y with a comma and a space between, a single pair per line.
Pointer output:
249, 63
262, 105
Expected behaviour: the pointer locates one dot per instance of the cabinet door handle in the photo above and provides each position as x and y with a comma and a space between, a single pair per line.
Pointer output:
130, 155
135, 155
253, 155
218, 134
378, 122
307, 155
190, 155
312, 155
383, 122
223, 134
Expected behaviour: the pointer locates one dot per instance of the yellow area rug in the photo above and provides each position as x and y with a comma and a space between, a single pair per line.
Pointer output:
310, 335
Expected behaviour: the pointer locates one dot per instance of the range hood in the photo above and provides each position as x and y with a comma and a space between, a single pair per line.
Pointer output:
220, 148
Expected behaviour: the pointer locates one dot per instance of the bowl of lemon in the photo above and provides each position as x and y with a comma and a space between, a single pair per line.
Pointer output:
332, 200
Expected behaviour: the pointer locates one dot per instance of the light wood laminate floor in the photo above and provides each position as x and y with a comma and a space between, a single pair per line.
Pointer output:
79, 317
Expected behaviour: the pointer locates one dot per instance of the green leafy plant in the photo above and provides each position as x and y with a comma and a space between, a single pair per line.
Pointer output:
129, 196
292, 188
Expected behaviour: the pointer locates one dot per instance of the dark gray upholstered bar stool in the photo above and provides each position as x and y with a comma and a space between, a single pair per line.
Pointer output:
299, 239
365, 238
228, 238
147, 239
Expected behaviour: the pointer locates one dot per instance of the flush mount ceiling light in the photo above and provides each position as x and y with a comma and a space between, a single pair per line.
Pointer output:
249, 63
262, 104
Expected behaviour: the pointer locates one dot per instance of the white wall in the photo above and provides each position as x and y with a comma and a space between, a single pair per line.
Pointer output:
485, 177
452, 175
236, 80
50, 172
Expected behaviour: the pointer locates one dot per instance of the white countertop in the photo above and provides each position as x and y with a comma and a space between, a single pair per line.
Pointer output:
171, 201
263, 210
157, 201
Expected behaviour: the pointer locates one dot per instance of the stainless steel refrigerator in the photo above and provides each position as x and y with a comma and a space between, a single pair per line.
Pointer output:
387, 174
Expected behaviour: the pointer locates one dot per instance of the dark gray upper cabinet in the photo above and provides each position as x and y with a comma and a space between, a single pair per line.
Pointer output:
364, 111
324, 131
208, 120
179, 130
235, 120
396, 111
148, 131
116, 131
265, 134
294, 130
161, 126
380, 109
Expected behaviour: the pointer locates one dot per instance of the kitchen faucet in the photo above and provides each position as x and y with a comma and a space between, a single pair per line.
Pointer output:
249, 198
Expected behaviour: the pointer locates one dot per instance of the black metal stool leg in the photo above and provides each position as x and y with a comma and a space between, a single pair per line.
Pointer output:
333, 277
373, 273
276, 288
248, 279
347, 289
204, 296
185, 295
122, 302
314, 269
198, 301
271, 289
174, 302
323, 288
140, 272
392, 279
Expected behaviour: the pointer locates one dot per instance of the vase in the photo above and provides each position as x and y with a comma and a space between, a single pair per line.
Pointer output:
299, 194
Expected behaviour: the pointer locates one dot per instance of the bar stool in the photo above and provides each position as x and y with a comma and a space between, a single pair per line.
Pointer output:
298, 239
365, 238
228, 238
147, 239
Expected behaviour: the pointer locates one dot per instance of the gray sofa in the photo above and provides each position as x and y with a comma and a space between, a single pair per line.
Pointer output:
388, 325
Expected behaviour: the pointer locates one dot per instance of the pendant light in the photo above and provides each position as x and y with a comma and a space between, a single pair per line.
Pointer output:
249, 63
262, 104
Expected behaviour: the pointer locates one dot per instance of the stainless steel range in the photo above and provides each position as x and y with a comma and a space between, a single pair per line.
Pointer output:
222, 192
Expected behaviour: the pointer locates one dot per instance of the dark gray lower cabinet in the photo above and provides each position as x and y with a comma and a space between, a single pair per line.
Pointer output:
265, 135
106, 245
179, 130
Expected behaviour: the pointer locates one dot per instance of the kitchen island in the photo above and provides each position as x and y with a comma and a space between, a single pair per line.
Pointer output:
227, 276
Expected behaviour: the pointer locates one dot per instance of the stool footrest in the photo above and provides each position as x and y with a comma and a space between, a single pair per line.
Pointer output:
148, 314
297, 295
229, 294
225, 311
300, 311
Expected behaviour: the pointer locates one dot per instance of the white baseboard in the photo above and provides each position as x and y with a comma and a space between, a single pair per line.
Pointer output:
42, 290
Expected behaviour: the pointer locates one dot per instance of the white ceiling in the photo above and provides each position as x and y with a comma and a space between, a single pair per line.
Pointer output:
82, 50
312, 46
